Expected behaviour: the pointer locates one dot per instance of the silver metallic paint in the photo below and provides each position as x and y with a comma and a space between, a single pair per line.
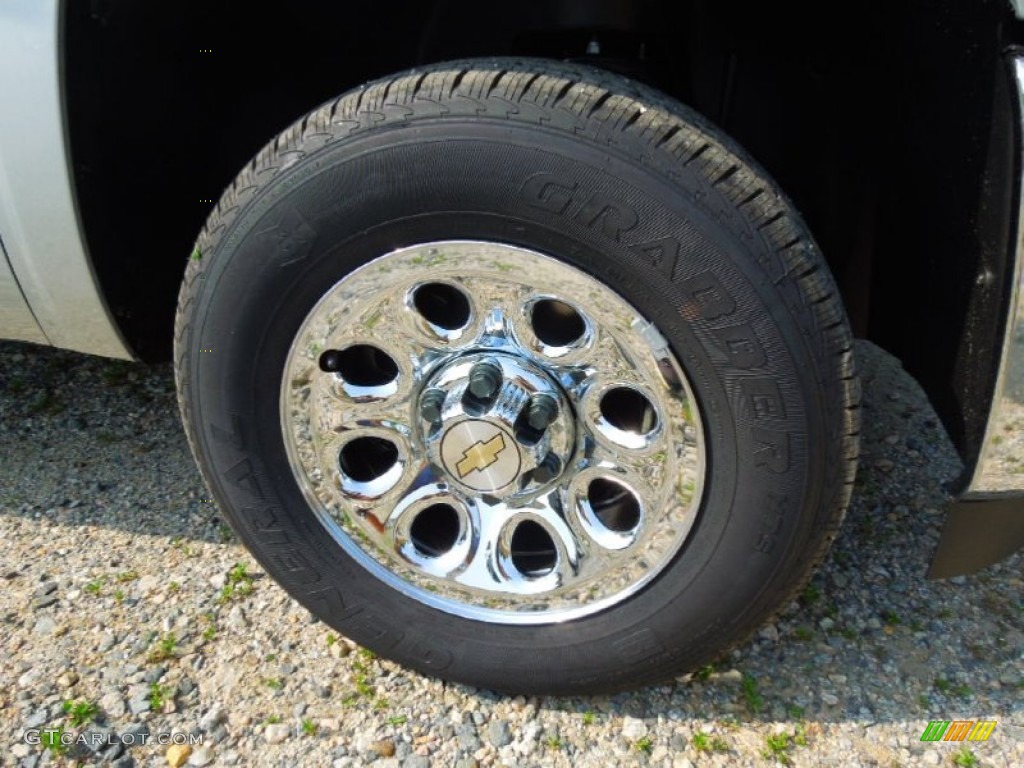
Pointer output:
38, 217
16, 320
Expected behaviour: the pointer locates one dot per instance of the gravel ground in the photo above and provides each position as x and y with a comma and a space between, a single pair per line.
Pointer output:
123, 589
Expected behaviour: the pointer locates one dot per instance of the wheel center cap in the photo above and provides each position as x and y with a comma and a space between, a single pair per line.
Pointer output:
497, 424
481, 455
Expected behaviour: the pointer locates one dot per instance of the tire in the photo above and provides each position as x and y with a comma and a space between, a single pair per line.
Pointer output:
616, 238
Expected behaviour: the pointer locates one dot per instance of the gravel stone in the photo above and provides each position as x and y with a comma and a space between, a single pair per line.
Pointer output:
105, 492
276, 733
37, 718
178, 754
45, 625
214, 716
729, 677
633, 728
498, 733
467, 737
139, 705
384, 747
201, 756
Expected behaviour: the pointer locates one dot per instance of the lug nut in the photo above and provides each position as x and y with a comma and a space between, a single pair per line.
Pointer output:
484, 380
330, 361
431, 405
541, 411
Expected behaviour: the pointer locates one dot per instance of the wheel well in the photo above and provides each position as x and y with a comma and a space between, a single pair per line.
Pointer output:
891, 129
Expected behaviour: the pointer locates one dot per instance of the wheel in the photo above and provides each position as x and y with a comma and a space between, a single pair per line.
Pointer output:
520, 374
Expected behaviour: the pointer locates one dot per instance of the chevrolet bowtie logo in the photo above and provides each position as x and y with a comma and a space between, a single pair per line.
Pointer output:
480, 455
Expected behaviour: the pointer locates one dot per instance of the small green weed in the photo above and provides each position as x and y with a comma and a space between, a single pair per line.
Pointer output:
80, 712
158, 696
237, 585
705, 742
166, 648
777, 747
751, 694
811, 594
965, 758
361, 679
53, 740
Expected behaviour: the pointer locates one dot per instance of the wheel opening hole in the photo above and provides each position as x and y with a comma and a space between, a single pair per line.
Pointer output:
367, 458
435, 530
442, 305
533, 550
362, 365
556, 323
614, 505
629, 410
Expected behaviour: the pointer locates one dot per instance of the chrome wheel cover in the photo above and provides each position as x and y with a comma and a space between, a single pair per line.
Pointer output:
493, 432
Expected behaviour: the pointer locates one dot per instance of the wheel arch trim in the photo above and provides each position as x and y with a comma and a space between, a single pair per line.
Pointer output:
991, 473
986, 523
